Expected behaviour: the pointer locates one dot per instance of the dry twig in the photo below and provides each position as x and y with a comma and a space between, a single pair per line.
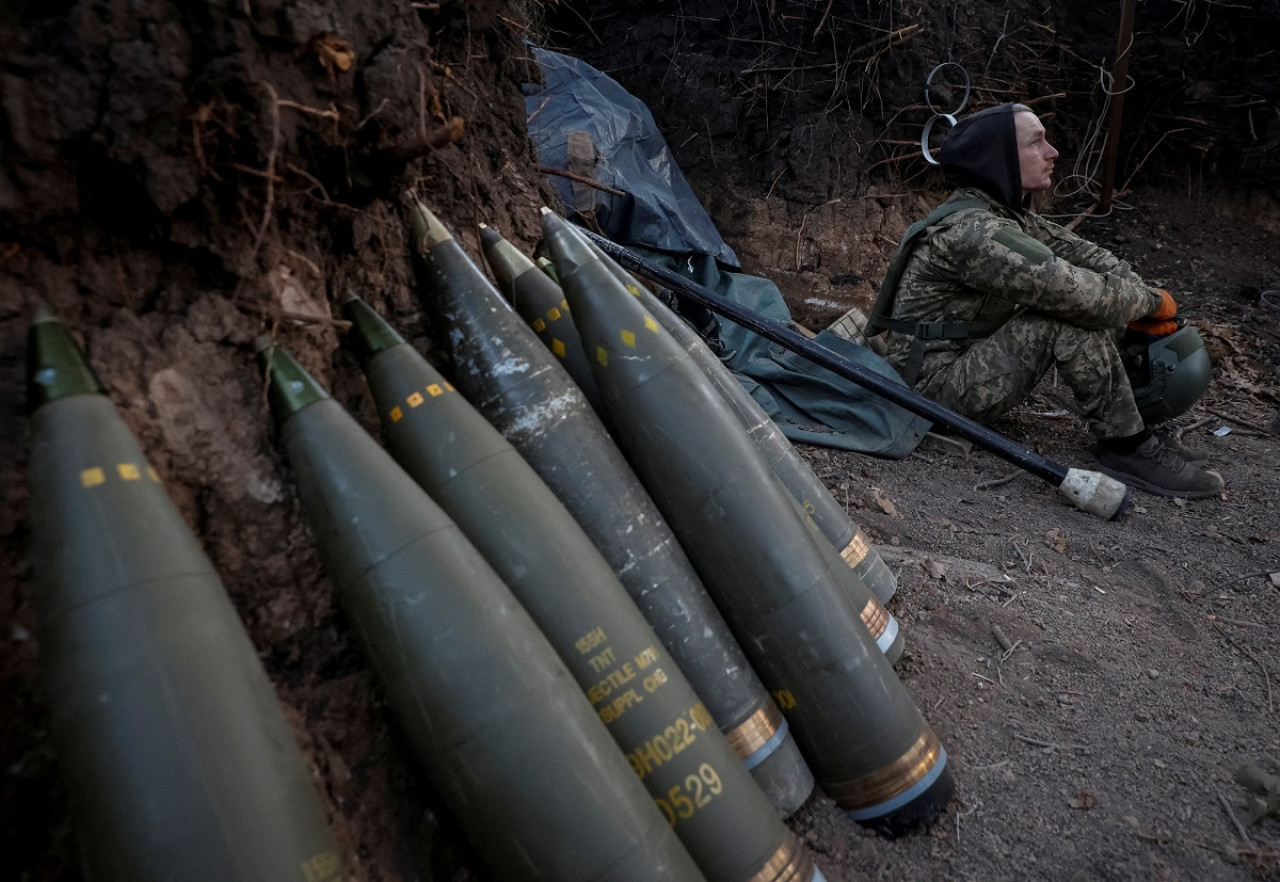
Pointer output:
307, 319
1226, 807
548, 170
1239, 421
331, 113
1203, 421
270, 173
996, 482
1038, 743
1079, 218
826, 12
1214, 617
1256, 575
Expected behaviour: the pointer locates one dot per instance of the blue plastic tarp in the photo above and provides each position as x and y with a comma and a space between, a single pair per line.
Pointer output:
660, 217
659, 209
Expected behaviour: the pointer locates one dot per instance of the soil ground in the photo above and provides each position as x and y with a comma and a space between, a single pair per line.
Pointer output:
138, 199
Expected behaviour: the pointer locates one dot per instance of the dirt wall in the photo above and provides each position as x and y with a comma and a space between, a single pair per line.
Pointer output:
177, 178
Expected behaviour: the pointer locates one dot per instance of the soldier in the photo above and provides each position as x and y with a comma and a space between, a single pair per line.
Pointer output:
985, 296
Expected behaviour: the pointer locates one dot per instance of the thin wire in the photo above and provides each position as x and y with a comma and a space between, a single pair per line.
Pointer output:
1085, 169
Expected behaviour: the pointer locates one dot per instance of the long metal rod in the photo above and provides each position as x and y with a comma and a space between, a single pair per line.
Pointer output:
1019, 455
1119, 85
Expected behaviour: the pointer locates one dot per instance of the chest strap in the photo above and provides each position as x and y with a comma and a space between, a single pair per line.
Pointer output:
882, 312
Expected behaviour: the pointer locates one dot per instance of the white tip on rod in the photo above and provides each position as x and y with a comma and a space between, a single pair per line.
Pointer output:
1095, 493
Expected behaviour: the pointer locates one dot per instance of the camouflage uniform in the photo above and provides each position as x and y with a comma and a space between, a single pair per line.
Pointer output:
1057, 300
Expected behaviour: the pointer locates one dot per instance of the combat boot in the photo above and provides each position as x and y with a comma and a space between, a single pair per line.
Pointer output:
1197, 456
1158, 469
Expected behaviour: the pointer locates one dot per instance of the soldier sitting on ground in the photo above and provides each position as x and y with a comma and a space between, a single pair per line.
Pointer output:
984, 296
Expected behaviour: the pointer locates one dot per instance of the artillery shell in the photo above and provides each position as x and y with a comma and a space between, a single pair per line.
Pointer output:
546, 418
540, 302
555, 571
504, 371
796, 475
179, 760
774, 578
488, 709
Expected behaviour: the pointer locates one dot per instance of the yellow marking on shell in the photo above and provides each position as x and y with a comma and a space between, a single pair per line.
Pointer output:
324, 866
396, 414
151, 473
92, 477
650, 323
553, 313
602, 355
415, 399
449, 386
564, 304
629, 338
434, 390
558, 348
128, 471
632, 289
539, 325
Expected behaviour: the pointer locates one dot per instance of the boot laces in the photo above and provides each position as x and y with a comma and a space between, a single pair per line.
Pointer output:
1166, 456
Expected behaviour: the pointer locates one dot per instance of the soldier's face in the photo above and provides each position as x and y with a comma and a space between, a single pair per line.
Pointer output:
1035, 153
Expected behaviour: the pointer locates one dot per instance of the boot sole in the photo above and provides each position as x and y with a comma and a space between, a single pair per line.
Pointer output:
1156, 489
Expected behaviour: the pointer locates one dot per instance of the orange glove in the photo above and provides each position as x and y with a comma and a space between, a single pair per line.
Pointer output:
1159, 323
1154, 327
1167, 309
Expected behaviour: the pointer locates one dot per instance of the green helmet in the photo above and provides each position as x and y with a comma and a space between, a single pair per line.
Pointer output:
1168, 374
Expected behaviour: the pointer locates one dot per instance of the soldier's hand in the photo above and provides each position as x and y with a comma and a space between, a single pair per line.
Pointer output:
1167, 308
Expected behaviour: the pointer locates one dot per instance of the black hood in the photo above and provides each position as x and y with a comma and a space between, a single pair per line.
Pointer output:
982, 151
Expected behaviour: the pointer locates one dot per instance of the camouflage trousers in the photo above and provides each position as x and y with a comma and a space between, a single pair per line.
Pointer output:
997, 373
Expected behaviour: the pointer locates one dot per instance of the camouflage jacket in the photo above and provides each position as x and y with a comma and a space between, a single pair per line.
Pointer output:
986, 264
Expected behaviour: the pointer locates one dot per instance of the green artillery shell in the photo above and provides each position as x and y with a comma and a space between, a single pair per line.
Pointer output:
488, 709
773, 446
549, 268
775, 578
553, 569
796, 475
520, 388
540, 302
178, 758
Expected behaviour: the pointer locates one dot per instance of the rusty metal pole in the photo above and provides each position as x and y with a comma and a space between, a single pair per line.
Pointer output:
1119, 81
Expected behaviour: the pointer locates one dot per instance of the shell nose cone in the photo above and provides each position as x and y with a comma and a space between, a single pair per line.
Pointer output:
370, 333
426, 228
568, 249
41, 312
505, 260
289, 387
56, 367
